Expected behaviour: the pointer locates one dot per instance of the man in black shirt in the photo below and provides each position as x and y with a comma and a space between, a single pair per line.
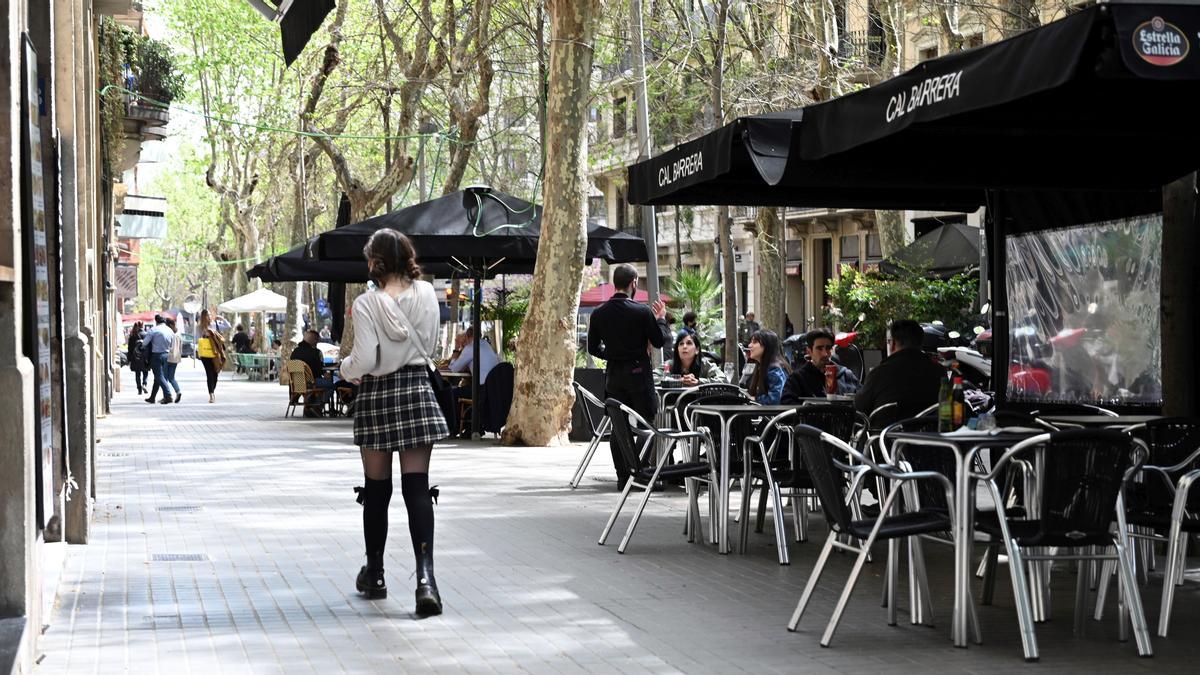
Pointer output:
808, 381
241, 341
307, 352
907, 377
622, 332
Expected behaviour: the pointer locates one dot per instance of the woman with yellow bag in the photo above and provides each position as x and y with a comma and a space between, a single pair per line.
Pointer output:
211, 350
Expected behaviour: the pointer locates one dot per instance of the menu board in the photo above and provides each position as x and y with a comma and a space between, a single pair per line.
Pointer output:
37, 293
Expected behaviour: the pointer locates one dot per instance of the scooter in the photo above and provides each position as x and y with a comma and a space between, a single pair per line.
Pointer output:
848, 354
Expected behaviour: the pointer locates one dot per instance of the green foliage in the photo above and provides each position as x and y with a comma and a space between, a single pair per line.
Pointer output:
700, 292
883, 298
155, 70
509, 307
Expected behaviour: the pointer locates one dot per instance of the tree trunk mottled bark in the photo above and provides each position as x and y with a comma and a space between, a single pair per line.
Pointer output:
542, 400
769, 254
893, 235
728, 283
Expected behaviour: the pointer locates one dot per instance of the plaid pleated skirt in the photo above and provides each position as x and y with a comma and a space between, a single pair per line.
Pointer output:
397, 411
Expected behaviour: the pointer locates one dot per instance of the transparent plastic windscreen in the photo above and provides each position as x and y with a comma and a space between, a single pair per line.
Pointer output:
1083, 313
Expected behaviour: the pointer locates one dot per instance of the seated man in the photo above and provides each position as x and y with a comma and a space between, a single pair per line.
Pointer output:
464, 355
307, 352
808, 381
463, 358
907, 376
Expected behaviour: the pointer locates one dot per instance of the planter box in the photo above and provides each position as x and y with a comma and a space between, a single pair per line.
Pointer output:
591, 379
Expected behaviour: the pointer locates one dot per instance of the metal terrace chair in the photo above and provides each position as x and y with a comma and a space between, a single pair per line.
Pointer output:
627, 425
1164, 507
591, 407
1082, 479
829, 460
779, 475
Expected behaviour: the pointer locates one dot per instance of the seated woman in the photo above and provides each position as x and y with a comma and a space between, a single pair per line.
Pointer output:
770, 371
688, 363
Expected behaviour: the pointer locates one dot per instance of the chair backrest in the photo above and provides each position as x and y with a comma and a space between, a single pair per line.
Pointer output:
703, 392
587, 401
300, 377
832, 418
622, 432
923, 458
1171, 441
739, 428
498, 396
828, 479
1016, 418
1084, 472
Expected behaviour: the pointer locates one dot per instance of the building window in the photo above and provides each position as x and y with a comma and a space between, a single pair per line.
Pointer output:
874, 247
973, 41
927, 54
622, 211
849, 254
618, 120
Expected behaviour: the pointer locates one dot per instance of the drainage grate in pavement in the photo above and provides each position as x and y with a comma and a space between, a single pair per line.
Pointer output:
178, 557
113, 454
182, 508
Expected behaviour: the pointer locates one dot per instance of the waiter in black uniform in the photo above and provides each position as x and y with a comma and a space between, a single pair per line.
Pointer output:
622, 332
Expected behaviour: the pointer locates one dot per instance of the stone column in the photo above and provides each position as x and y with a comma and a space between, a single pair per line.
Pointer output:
19, 600
69, 49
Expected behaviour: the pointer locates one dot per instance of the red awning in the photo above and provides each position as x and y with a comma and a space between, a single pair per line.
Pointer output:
594, 297
146, 317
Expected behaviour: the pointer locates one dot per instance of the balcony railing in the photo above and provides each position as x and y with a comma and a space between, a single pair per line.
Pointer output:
863, 47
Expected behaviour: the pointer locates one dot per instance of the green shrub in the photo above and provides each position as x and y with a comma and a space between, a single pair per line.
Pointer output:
909, 295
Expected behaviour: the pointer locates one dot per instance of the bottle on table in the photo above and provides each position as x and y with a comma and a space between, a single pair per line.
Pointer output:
946, 405
958, 404
831, 379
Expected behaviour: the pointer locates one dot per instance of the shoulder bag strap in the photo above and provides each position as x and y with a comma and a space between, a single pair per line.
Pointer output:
415, 336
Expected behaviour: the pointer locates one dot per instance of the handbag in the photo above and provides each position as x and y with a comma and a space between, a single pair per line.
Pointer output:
436, 381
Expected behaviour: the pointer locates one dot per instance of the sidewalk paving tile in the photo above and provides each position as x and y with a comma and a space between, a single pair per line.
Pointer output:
526, 588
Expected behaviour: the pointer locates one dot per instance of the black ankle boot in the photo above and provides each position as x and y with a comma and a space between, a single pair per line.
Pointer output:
429, 602
370, 578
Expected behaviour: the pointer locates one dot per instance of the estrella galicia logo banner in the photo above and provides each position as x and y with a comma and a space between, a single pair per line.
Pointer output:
1158, 41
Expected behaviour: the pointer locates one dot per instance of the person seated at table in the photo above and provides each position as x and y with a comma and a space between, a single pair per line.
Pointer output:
770, 369
307, 352
907, 377
242, 343
692, 368
464, 355
808, 381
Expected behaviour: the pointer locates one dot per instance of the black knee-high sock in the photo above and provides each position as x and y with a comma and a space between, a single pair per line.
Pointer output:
415, 488
378, 494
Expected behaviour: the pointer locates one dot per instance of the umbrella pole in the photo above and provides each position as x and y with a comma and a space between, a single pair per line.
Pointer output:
476, 404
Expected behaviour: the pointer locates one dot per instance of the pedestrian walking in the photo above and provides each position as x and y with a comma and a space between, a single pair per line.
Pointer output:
139, 362
158, 343
622, 332
396, 411
211, 351
174, 356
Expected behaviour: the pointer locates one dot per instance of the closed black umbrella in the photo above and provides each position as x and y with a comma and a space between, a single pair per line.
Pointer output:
944, 252
473, 229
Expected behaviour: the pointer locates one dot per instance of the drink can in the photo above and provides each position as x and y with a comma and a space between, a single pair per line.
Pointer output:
831, 379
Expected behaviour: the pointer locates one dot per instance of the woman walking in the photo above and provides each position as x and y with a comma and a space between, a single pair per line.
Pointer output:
211, 350
771, 371
139, 363
395, 327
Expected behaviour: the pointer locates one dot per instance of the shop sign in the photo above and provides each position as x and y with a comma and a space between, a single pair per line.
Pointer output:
1160, 43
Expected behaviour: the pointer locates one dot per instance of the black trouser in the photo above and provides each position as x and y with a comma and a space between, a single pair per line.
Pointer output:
636, 390
210, 369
